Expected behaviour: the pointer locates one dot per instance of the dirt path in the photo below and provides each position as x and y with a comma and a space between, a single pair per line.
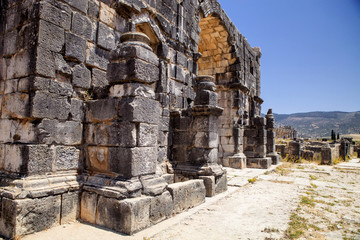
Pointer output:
256, 211
303, 201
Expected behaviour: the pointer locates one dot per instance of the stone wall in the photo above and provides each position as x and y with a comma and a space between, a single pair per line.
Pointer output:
285, 132
105, 116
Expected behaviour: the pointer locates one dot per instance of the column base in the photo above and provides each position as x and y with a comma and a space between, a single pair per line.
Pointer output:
237, 161
263, 163
275, 158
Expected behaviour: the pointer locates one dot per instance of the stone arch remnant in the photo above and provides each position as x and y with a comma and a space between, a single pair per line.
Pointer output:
122, 113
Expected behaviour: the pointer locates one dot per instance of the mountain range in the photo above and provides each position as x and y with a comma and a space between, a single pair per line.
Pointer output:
320, 124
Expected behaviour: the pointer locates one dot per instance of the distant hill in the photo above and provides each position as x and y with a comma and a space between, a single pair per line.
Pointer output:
320, 124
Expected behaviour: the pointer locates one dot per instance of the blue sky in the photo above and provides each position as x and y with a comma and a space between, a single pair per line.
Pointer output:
310, 51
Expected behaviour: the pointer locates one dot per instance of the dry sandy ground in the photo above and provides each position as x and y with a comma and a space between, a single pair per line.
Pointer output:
296, 201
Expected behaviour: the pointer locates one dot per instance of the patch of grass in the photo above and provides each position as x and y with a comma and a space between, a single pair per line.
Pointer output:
283, 169
296, 227
348, 238
312, 177
267, 173
313, 185
307, 201
252, 180
337, 161
329, 210
332, 227
270, 230
313, 226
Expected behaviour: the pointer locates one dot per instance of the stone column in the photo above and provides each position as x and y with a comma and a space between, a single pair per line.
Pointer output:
270, 144
202, 150
239, 158
122, 137
255, 144
123, 129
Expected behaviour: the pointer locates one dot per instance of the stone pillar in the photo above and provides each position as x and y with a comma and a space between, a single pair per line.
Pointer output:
255, 137
239, 159
202, 150
122, 137
326, 156
123, 129
345, 149
270, 144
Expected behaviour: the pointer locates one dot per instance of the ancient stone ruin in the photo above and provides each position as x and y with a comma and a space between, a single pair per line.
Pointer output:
122, 113
285, 132
325, 152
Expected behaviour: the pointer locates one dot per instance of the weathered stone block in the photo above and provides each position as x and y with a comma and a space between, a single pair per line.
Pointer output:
10, 40
132, 162
161, 207
51, 36
206, 97
32, 215
148, 135
67, 133
81, 76
107, 15
66, 158
102, 109
133, 70
140, 109
48, 105
16, 105
98, 158
97, 57
221, 184
19, 65
153, 185
206, 140
126, 216
106, 37
77, 109
187, 194
75, 47
10, 86
99, 78
45, 62
38, 159
199, 156
82, 5
209, 182
61, 65
88, 207
326, 156
12, 159
132, 90
181, 138
238, 162
81, 26
140, 52
55, 15
93, 9
205, 124
70, 206
179, 154
263, 163
121, 134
